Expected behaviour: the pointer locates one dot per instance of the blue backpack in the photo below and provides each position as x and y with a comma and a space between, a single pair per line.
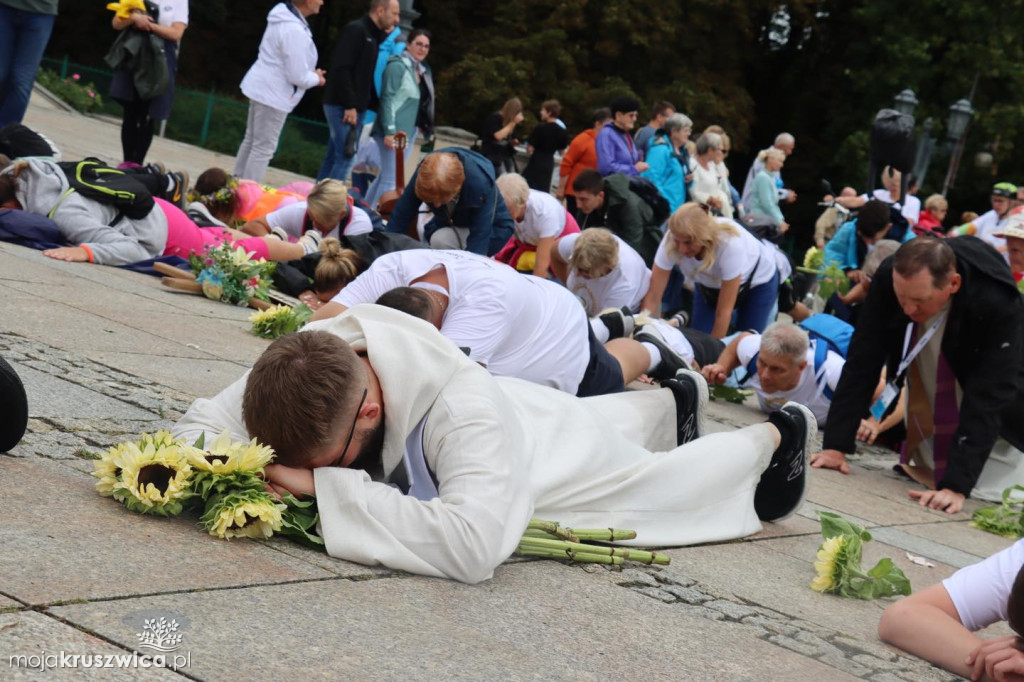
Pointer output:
828, 334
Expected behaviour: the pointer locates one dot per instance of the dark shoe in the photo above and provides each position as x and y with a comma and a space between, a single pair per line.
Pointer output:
782, 487
691, 393
671, 362
620, 322
179, 193
680, 320
155, 168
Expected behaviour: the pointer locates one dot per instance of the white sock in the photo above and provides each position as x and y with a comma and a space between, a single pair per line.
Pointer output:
600, 330
655, 354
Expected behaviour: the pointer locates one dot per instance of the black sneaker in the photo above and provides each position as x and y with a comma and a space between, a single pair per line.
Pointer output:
671, 362
155, 168
178, 195
782, 487
691, 393
620, 322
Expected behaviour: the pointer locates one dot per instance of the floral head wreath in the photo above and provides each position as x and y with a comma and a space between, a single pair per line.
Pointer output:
223, 195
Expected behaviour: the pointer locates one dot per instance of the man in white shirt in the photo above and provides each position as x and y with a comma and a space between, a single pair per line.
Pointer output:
512, 324
1003, 199
421, 461
785, 368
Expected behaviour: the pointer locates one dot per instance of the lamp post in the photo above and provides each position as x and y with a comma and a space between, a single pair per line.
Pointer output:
905, 102
960, 114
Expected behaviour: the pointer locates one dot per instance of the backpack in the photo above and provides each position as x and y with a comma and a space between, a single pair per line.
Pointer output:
762, 226
645, 189
828, 334
899, 224
93, 179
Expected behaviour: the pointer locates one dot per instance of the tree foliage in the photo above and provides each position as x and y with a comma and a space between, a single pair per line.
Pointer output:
819, 69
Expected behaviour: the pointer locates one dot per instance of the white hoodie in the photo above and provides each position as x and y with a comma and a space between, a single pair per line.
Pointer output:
285, 67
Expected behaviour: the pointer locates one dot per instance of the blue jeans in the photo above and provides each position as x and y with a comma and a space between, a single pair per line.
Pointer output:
385, 181
750, 314
336, 165
23, 38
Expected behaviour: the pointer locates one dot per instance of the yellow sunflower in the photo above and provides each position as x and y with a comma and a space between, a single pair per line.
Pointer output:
827, 565
246, 514
154, 479
270, 314
108, 468
226, 457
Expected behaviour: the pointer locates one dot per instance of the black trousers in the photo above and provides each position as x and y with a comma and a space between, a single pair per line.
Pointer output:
13, 407
136, 130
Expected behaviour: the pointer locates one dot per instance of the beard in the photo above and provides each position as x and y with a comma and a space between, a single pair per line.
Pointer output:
369, 457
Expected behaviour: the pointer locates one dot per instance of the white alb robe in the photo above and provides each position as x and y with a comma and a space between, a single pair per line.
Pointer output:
505, 450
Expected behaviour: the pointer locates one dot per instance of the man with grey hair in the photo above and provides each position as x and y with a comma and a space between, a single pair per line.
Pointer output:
785, 143
781, 366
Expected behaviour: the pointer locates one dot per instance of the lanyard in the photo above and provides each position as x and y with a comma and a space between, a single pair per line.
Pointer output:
921, 343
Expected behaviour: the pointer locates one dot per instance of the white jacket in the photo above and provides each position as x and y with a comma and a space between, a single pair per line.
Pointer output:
503, 450
284, 69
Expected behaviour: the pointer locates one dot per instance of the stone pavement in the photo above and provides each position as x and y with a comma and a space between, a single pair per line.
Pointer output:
106, 354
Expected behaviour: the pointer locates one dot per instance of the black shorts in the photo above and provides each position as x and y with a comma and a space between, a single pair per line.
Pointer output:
706, 348
604, 373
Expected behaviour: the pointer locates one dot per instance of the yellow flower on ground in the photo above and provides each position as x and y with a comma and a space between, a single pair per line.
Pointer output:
826, 565
154, 479
108, 468
248, 514
270, 314
226, 457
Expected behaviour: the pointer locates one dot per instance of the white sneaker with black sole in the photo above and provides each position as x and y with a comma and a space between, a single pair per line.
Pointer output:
690, 390
783, 485
671, 362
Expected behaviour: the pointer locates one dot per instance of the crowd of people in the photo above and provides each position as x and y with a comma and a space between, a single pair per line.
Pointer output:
468, 362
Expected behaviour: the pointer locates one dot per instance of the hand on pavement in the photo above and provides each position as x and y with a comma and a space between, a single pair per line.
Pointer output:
946, 500
830, 459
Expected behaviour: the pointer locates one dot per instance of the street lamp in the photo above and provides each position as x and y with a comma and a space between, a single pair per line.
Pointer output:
905, 102
960, 115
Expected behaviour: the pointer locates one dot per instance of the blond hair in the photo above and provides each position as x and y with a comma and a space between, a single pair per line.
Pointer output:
514, 189
337, 267
771, 153
695, 221
593, 249
936, 201
327, 202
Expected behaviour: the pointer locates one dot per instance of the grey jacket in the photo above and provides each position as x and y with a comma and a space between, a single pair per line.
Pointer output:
83, 221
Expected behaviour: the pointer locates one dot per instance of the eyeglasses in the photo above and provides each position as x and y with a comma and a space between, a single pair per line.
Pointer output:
425, 46
353, 431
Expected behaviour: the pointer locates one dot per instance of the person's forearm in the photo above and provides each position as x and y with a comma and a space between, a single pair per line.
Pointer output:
929, 633
730, 359
173, 32
851, 202
652, 301
543, 262
727, 296
501, 134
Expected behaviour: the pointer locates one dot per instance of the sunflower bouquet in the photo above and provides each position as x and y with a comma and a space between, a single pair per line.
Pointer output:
163, 476
279, 320
839, 563
831, 277
230, 274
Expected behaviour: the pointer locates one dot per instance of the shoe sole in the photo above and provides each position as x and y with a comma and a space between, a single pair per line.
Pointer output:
652, 337
182, 201
810, 433
702, 399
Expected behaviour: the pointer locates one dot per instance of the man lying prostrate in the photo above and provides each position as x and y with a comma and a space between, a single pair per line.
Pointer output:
422, 461
787, 368
512, 324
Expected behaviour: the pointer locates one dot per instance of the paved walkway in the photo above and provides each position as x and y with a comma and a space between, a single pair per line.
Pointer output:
106, 354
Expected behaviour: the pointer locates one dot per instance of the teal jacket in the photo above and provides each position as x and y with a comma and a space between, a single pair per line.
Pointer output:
666, 171
765, 197
399, 98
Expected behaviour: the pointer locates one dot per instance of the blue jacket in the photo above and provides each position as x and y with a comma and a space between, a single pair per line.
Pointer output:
666, 171
842, 248
480, 207
616, 152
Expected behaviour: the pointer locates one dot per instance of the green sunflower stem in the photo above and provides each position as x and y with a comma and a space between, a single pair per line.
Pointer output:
604, 534
623, 553
552, 528
568, 554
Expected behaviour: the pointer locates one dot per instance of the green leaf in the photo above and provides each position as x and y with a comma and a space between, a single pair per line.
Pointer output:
833, 524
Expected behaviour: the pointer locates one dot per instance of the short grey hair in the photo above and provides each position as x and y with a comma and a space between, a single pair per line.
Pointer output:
677, 121
786, 339
784, 138
707, 142
514, 189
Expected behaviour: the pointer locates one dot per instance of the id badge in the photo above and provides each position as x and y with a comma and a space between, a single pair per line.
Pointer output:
881, 406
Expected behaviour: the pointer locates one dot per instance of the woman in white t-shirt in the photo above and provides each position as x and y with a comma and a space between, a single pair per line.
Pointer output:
939, 622
539, 218
601, 270
328, 208
142, 110
734, 272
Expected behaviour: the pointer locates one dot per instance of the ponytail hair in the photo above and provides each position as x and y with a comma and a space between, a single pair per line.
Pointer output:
337, 267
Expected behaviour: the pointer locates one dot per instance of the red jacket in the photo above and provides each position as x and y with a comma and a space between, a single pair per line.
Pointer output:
928, 224
580, 154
